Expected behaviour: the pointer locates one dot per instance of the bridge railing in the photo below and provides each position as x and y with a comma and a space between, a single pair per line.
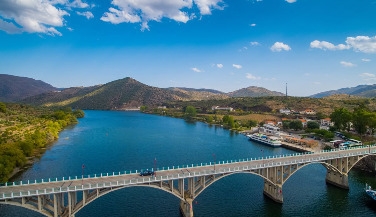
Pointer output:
260, 164
186, 166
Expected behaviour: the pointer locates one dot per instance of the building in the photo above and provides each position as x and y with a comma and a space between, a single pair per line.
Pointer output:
222, 108
285, 111
270, 129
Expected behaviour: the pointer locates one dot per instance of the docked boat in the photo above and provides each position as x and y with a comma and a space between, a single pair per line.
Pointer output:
370, 192
266, 140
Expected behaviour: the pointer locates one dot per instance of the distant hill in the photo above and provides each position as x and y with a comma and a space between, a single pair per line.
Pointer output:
15, 88
368, 91
120, 94
254, 92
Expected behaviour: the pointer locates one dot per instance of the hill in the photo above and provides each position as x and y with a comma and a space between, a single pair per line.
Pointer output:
360, 90
254, 92
120, 94
15, 88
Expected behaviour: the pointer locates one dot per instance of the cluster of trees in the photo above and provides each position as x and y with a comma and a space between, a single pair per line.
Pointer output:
361, 120
25, 130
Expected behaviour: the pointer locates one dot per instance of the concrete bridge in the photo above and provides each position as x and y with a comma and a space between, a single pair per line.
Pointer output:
65, 197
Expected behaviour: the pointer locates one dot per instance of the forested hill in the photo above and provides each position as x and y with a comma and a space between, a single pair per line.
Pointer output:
15, 88
120, 94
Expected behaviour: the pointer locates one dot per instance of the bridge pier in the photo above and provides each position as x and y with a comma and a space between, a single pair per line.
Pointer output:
273, 191
186, 208
338, 179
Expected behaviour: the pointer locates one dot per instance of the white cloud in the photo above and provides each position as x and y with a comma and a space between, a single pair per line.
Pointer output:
324, 45
220, 65
366, 60
70, 29
196, 69
252, 77
236, 66
86, 14
143, 11
253, 24
77, 4
254, 43
368, 76
291, 1
347, 64
279, 46
363, 44
33, 16
9, 27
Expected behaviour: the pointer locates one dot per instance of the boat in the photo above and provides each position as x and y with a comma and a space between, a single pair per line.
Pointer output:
265, 139
371, 192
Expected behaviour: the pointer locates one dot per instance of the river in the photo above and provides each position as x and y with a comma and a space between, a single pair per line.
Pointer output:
112, 141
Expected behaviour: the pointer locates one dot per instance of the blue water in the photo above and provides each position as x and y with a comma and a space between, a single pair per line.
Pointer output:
113, 141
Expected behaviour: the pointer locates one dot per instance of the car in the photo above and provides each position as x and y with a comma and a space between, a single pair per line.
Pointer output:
147, 173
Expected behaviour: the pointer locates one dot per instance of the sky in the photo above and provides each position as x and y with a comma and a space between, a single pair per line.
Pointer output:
310, 45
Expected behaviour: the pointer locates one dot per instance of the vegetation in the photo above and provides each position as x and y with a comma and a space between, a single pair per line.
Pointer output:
26, 130
362, 120
190, 113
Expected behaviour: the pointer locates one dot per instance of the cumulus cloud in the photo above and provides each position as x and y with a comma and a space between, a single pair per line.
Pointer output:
324, 45
196, 69
253, 24
347, 64
236, 66
366, 60
220, 65
252, 77
86, 14
30, 16
291, 1
363, 44
130, 11
74, 4
279, 46
254, 43
368, 76
37, 16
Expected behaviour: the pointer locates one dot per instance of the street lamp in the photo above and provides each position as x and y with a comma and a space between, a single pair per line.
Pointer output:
83, 167
155, 167
214, 161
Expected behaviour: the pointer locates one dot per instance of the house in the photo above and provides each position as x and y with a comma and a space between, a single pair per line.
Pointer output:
222, 108
270, 129
285, 111
304, 122
326, 122
308, 112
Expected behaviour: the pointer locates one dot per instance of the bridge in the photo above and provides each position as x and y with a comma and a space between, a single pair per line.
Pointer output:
65, 197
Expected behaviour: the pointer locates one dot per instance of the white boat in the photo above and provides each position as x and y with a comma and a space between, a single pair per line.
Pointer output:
370, 192
266, 140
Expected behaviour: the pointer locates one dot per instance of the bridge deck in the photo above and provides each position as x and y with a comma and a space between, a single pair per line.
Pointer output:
221, 167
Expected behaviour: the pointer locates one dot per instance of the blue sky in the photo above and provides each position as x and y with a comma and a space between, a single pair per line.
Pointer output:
312, 45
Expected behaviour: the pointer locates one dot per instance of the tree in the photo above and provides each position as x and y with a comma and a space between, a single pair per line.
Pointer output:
252, 123
143, 108
190, 112
313, 125
296, 125
341, 118
79, 113
361, 120
209, 119
286, 124
3, 107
